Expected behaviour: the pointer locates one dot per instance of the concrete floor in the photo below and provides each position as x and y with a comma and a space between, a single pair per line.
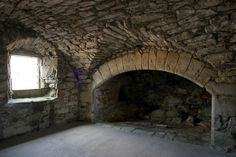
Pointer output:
101, 141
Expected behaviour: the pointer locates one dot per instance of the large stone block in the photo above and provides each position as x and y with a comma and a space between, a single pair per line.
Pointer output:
97, 77
205, 76
113, 67
152, 59
105, 71
183, 63
158, 115
161, 59
225, 105
145, 61
85, 96
126, 62
224, 121
138, 60
171, 61
227, 89
15, 130
119, 63
131, 61
3, 86
3, 98
194, 69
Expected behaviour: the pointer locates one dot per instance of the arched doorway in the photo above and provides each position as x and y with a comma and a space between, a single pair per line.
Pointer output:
181, 64
184, 65
170, 106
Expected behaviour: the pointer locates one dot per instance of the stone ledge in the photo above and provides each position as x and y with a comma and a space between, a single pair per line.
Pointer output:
30, 100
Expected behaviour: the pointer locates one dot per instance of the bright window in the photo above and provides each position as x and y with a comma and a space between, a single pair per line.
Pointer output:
24, 72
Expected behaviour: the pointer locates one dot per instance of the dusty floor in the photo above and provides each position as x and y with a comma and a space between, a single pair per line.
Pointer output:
100, 141
189, 134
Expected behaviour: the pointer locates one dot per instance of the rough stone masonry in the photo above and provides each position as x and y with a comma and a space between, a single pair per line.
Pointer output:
90, 35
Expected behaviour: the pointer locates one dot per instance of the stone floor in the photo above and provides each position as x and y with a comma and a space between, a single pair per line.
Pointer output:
101, 140
194, 135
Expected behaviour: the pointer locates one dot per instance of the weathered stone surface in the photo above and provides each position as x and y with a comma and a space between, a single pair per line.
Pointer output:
171, 61
205, 76
183, 63
145, 61
120, 66
126, 61
97, 77
171, 104
89, 33
131, 61
113, 67
18, 117
221, 88
224, 120
105, 71
138, 60
194, 69
209, 3
160, 60
158, 115
185, 12
152, 59
219, 59
85, 96
102, 29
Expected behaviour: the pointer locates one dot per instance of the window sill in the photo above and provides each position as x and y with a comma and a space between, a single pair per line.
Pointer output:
30, 100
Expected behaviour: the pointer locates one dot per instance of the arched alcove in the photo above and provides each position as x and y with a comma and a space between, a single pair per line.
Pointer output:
175, 64
182, 64
186, 66
163, 102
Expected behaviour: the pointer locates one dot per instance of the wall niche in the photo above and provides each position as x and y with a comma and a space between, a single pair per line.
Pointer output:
155, 99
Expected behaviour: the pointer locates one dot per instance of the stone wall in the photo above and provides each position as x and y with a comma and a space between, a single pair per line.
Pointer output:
154, 96
223, 90
3, 76
106, 101
22, 117
224, 113
92, 31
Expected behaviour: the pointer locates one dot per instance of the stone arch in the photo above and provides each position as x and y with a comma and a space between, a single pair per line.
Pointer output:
34, 45
151, 58
182, 64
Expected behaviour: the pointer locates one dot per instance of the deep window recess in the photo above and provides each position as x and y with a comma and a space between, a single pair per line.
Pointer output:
25, 73
32, 77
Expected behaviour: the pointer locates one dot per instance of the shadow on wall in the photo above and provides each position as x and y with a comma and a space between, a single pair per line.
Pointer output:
155, 96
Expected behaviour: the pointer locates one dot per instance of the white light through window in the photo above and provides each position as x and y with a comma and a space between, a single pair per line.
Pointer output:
24, 72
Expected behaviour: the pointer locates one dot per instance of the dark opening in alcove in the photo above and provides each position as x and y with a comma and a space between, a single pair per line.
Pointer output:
154, 98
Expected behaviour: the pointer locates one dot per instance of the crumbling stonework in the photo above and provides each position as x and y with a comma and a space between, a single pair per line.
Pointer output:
3, 77
21, 117
152, 96
92, 31
188, 67
103, 38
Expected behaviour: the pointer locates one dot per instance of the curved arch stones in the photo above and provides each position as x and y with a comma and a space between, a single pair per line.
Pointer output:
182, 64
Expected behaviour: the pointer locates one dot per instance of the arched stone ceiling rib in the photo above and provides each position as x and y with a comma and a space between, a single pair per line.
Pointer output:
91, 31
32, 45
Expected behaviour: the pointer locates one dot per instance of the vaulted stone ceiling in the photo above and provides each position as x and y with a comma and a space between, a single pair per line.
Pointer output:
91, 31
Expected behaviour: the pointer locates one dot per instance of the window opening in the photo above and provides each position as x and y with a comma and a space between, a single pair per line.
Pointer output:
24, 72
